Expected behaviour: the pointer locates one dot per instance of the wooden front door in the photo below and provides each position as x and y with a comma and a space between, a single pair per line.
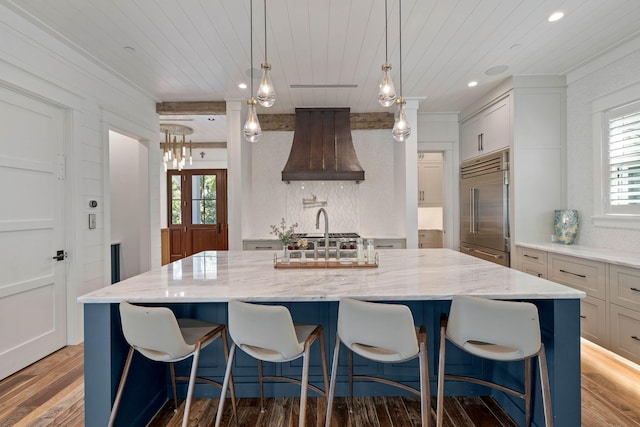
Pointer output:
197, 211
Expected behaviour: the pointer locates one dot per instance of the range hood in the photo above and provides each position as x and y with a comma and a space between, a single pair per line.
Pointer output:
322, 148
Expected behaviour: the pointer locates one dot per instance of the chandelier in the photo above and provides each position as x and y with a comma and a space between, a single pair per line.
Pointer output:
175, 148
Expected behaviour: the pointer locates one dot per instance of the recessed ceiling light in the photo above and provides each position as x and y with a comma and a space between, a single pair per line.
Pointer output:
555, 16
495, 70
242, 85
129, 49
472, 84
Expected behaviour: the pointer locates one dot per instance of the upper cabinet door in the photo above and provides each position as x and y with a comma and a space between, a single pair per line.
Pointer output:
489, 130
497, 127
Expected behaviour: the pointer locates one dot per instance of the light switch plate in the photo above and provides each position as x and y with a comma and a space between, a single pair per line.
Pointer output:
92, 221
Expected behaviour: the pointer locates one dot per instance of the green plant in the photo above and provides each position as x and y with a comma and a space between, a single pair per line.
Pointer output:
284, 233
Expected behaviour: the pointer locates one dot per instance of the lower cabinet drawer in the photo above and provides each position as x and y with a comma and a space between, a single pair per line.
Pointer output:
261, 245
533, 256
624, 286
534, 269
593, 320
578, 273
624, 327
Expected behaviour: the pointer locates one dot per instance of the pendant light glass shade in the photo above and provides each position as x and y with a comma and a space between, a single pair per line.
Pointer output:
387, 91
251, 130
401, 129
266, 93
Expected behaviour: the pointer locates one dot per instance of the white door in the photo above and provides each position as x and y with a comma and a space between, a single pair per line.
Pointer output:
32, 283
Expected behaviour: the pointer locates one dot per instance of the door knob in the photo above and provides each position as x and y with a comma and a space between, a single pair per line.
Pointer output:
60, 255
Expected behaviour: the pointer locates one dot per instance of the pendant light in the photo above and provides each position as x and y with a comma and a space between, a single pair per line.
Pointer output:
401, 129
251, 129
174, 151
266, 93
386, 89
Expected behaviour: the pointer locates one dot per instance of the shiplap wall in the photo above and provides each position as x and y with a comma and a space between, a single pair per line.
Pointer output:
33, 62
615, 71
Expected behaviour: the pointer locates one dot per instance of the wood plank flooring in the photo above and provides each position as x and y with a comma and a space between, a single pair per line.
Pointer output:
51, 391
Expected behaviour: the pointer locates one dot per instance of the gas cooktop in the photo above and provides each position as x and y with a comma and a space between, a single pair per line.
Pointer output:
321, 236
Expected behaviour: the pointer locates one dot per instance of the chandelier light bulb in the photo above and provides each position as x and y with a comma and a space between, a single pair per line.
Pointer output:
251, 130
266, 94
401, 129
387, 91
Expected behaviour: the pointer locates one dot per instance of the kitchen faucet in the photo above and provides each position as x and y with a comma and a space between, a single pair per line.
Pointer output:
326, 230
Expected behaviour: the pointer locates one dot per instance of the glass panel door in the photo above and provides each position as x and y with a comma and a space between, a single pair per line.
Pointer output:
197, 211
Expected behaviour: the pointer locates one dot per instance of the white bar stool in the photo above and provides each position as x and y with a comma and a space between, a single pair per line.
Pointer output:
496, 330
383, 333
267, 333
156, 334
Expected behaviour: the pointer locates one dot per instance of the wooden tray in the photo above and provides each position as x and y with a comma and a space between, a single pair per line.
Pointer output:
296, 264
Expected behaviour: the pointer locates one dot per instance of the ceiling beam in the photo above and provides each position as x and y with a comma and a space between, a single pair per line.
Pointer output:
359, 121
271, 122
192, 107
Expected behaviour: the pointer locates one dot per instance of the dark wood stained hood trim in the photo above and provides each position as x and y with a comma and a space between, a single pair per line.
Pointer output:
322, 148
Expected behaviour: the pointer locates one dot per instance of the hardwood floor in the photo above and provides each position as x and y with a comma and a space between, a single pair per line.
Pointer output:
50, 393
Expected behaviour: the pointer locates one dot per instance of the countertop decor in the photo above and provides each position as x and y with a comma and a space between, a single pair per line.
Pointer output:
284, 233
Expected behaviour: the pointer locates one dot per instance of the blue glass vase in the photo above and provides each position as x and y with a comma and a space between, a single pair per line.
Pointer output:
565, 225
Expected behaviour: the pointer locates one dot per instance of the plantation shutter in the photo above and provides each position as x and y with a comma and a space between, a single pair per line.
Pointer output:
624, 159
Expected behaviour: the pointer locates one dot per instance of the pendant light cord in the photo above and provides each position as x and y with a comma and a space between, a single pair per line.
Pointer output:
386, 32
265, 31
400, 40
251, 42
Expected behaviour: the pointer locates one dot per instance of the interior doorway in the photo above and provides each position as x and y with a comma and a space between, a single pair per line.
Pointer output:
196, 211
129, 205
431, 186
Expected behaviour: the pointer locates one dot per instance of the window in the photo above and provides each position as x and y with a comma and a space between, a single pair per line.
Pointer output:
623, 149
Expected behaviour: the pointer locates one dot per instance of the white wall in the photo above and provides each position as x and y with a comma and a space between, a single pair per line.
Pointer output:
367, 208
129, 198
615, 71
38, 64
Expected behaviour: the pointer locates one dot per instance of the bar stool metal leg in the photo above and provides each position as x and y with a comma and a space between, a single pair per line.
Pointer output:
332, 384
546, 391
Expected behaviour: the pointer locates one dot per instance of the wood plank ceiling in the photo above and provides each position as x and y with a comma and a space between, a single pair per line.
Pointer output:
196, 50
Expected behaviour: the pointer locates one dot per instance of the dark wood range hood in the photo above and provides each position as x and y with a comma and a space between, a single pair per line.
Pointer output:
322, 148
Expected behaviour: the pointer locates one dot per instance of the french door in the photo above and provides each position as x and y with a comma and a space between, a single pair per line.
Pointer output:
197, 211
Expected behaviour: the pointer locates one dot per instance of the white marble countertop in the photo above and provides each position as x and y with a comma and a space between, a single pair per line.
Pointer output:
402, 275
627, 259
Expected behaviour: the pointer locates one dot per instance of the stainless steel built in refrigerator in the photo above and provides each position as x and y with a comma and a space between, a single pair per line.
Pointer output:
484, 207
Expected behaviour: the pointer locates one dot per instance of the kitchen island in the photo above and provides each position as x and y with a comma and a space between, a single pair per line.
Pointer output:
425, 280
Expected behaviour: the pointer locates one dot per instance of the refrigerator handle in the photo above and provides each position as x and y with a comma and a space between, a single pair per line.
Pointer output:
472, 211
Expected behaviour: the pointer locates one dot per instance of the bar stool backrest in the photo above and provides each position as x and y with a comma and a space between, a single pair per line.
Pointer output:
504, 323
154, 332
381, 332
265, 332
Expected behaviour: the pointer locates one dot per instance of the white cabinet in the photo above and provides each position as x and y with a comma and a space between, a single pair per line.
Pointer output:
610, 313
261, 245
429, 239
624, 311
532, 261
389, 243
430, 172
487, 131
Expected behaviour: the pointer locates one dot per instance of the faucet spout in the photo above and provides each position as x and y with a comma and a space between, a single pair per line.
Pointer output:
326, 230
